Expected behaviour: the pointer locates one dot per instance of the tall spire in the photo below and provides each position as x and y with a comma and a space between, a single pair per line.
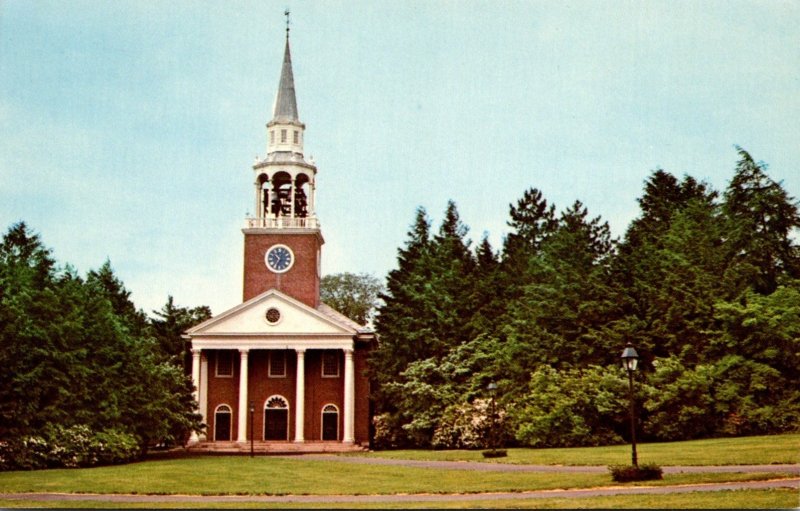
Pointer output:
285, 102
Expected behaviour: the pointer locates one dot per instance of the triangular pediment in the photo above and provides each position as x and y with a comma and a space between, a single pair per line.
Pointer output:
250, 318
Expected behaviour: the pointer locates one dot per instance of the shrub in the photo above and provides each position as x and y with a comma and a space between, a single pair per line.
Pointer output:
75, 446
387, 432
575, 407
26, 453
495, 453
627, 473
113, 446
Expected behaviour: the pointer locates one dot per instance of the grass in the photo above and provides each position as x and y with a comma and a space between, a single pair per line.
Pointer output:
757, 450
232, 475
739, 499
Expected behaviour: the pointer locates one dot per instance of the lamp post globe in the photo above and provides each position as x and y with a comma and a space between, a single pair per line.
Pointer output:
630, 361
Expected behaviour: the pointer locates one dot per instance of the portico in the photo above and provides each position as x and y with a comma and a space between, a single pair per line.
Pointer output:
306, 367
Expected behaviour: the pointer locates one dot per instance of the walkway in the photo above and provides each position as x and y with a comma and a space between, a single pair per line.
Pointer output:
571, 469
377, 499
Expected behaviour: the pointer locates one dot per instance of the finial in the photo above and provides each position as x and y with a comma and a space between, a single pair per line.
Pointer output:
286, 13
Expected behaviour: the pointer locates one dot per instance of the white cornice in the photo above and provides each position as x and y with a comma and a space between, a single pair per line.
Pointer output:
236, 343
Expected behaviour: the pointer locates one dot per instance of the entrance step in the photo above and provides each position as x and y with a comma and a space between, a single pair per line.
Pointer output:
274, 447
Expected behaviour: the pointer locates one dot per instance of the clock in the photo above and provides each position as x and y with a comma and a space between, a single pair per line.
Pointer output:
279, 258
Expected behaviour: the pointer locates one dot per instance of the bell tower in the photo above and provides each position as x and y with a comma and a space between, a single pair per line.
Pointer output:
282, 242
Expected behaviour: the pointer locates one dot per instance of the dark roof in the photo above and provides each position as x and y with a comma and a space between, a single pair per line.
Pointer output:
285, 102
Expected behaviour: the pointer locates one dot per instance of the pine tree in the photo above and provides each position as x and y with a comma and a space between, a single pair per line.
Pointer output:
71, 358
559, 319
168, 327
114, 290
647, 272
531, 221
761, 219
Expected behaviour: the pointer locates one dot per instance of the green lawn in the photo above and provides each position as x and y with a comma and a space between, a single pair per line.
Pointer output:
221, 475
280, 476
760, 450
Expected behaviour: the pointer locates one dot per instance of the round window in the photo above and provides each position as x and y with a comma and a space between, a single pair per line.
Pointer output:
273, 315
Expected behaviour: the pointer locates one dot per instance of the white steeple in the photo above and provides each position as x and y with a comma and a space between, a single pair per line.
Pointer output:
285, 181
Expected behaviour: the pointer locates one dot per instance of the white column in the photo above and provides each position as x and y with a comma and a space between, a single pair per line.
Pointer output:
204, 390
266, 211
196, 384
243, 405
349, 397
291, 196
312, 198
300, 397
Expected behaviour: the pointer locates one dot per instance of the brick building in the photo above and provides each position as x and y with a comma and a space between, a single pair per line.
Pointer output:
293, 363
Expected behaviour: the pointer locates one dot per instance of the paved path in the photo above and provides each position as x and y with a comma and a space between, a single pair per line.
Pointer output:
586, 469
434, 498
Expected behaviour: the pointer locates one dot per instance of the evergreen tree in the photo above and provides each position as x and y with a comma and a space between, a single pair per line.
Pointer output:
169, 326
560, 317
487, 292
663, 196
426, 311
72, 361
107, 283
400, 337
531, 221
761, 220
656, 257
28, 297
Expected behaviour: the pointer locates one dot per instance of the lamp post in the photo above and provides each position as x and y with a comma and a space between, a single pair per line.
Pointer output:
630, 361
492, 388
252, 412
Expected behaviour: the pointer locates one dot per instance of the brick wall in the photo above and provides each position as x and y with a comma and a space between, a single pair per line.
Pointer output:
300, 282
319, 390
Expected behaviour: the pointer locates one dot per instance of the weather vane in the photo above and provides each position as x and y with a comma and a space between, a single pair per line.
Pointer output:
286, 13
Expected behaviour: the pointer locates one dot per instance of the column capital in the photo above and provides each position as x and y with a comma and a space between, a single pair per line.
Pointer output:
244, 351
348, 351
196, 352
300, 351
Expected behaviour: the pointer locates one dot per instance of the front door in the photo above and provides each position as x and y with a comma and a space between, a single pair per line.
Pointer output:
330, 426
276, 422
222, 426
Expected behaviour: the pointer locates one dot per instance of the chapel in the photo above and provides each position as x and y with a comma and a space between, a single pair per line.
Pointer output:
282, 369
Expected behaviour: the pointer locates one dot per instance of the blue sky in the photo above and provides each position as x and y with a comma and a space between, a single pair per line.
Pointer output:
128, 128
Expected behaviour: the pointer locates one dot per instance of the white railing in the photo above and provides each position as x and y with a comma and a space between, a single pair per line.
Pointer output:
283, 222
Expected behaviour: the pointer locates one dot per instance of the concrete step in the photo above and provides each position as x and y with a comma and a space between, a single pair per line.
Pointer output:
275, 447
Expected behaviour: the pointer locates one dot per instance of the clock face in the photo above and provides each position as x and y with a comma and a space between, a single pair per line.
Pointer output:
279, 258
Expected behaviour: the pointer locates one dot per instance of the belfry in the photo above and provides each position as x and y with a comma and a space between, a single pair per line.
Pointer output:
282, 369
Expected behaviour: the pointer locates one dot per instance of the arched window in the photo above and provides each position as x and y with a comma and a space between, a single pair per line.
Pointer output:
301, 194
330, 422
281, 196
222, 423
276, 418
263, 195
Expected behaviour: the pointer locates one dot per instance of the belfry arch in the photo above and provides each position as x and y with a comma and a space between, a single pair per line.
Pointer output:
284, 195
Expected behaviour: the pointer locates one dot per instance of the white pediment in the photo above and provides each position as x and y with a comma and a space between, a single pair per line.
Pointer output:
250, 318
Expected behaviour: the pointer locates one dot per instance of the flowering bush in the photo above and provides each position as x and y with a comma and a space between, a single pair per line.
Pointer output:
467, 426
76, 446
387, 432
